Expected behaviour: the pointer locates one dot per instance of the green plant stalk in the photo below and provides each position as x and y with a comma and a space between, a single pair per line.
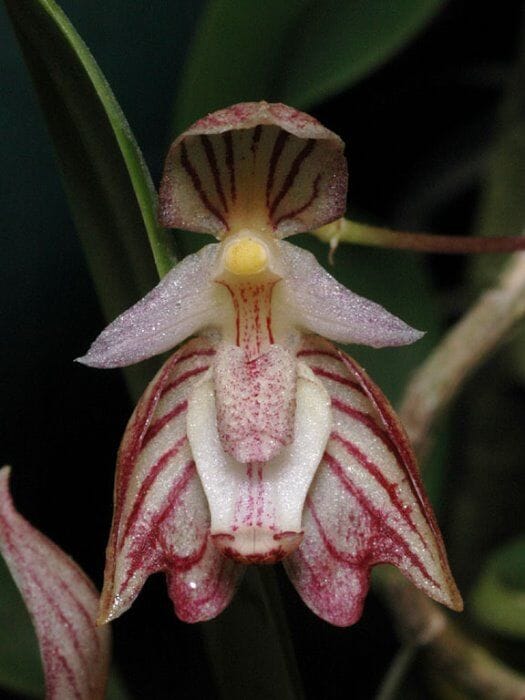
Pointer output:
106, 180
467, 665
347, 231
138, 172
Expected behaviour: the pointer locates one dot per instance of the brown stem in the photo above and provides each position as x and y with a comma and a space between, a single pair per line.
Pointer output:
451, 653
462, 350
348, 231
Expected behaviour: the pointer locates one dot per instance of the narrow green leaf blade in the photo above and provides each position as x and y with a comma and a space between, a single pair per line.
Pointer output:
249, 644
235, 55
335, 44
107, 182
297, 52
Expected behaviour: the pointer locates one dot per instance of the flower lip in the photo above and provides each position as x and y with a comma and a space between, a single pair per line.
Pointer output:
256, 545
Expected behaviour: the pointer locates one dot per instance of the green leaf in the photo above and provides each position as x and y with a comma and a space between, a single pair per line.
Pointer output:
335, 44
235, 55
296, 51
107, 182
498, 598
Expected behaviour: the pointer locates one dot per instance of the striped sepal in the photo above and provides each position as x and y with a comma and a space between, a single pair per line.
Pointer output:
161, 518
367, 504
254, 165
62, 602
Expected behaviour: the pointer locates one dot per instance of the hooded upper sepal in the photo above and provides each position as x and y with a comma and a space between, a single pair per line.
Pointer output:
161, 517
185, 301
315, 301
254, 165
366, 505
62, 603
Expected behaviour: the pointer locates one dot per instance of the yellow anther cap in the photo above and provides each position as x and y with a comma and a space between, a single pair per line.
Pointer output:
246, 257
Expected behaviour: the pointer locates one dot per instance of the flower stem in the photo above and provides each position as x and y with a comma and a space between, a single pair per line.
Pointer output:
451, 653
463, 349
420, 621
391, 683
347, 231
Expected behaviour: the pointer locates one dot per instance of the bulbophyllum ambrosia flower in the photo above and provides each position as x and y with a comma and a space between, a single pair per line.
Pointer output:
259, 440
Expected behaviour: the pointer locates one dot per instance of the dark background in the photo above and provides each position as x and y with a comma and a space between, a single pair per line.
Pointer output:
419, 131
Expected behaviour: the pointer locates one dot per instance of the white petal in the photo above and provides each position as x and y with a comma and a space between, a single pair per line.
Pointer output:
256, 508
292, 472
184, 302
318, 303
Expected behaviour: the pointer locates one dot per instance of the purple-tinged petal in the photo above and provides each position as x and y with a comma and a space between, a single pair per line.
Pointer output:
185, 301
367, 504
161, 517
62, 603
254, 165
256, 507
316, 302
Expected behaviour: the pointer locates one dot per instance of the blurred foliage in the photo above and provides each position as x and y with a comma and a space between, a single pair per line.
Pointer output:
492, 446
298, 52
418, 129
498, 598
502, 206
109, 187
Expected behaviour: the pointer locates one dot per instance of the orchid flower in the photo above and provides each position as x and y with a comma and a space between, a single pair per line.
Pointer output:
62, 602
259, 440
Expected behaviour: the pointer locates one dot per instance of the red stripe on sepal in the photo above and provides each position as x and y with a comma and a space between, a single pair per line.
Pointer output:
254, 165
367, 504
161, 517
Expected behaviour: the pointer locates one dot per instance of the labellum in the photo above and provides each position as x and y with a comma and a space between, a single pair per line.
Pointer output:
259, 440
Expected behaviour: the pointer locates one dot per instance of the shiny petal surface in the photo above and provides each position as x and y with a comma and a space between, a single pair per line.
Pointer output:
62, 603
161, 518
258, 165
185, 301
367, 504
316, 302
